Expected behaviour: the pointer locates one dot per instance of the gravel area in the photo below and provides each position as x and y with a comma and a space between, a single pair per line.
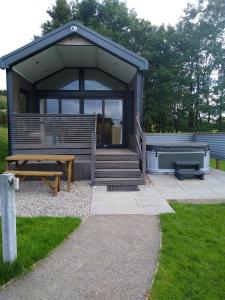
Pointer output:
35, 199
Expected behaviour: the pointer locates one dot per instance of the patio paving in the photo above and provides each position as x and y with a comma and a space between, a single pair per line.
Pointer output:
153, 198
210, 190
146, 202
107, 258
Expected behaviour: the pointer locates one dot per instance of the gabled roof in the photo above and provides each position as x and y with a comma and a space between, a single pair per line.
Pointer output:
69, 29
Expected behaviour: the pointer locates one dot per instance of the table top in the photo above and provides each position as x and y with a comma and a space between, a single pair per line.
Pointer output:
40, 157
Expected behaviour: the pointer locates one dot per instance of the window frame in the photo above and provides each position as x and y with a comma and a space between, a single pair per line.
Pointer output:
81, 78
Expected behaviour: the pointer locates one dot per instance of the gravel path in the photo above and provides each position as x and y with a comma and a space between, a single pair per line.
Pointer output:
107, 258
35, 199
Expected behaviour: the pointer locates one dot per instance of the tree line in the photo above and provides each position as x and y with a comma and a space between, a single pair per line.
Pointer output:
185, 84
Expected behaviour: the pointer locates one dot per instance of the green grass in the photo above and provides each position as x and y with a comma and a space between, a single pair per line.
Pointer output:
213, 164
192, 258
3, 147
36, 237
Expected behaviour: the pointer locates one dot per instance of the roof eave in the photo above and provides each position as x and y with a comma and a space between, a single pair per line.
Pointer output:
71, 28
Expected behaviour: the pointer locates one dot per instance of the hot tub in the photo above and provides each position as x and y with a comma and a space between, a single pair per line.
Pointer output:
161, 155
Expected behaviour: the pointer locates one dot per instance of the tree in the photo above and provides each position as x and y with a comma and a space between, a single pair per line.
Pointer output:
185, 85
60, 13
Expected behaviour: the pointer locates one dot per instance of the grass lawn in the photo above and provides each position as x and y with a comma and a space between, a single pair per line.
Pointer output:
3, 147
192, 258
36, 237
213, 164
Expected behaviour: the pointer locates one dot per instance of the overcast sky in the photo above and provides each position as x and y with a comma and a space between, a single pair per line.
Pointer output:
20, 19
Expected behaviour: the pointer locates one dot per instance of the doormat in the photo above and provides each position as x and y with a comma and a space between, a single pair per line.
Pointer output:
123, 188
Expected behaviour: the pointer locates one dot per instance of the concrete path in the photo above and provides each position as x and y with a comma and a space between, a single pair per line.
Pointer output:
146, 202
107, 258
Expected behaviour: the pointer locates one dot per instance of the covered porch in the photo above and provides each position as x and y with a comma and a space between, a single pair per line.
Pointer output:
74, 91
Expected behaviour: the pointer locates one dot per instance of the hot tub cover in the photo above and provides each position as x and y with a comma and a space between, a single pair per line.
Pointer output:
177, 146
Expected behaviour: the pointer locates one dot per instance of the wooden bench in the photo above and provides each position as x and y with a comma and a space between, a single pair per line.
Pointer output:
188, 169
55, 187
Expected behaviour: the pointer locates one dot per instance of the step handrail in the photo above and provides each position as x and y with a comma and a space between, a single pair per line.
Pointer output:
141, 146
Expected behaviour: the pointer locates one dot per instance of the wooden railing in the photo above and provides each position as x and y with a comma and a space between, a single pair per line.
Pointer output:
45, 131
141, 146
55, 134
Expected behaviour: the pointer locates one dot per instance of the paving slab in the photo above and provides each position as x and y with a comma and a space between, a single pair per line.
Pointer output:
193, 190
107, 258
153, 198
152, 202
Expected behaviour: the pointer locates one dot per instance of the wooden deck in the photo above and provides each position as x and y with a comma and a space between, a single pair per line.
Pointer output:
121, 151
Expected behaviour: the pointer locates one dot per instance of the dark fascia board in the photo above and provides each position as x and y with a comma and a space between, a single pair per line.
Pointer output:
68, 29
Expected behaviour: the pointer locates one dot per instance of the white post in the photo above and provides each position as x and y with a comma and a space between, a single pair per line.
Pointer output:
7, 193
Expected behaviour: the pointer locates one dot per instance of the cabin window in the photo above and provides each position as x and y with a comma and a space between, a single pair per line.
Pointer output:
52, 106
23, 101
65, 80
59, 106
70, 106
92, 106
96, 80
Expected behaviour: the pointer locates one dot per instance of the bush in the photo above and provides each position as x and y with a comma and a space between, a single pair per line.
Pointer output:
3, 117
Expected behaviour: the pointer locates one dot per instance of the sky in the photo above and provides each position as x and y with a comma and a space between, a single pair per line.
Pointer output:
21, 19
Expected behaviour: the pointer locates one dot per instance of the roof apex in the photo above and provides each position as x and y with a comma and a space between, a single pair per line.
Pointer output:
66, 30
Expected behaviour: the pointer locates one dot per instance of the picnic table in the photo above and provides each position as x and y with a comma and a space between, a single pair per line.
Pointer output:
22, 159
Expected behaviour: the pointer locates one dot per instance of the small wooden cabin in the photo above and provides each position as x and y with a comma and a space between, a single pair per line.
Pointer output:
73, 91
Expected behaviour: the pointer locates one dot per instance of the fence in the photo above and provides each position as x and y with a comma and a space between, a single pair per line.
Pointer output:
216, 141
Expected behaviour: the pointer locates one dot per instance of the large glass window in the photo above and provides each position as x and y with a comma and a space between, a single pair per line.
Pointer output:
92, 106
97, 80
113, 121
70, 106
64, 80
52, 106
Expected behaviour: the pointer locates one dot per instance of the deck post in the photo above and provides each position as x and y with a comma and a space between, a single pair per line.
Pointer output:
9, 242
93, 155
217, 164
93, 151
9, 81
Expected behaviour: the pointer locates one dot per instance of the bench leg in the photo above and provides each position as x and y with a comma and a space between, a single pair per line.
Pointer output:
56, 185
178, 176
59, 183
53, 187
69, 173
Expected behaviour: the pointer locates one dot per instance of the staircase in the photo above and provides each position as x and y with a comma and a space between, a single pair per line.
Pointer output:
118, 167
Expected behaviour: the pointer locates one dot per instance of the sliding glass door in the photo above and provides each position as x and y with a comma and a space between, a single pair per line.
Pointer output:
109, 120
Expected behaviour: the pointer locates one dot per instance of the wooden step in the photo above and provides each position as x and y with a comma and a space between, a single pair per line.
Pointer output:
117, 164
109, 157
118, 173
118, 181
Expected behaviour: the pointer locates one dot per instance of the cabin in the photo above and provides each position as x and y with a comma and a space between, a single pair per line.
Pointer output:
74, 91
